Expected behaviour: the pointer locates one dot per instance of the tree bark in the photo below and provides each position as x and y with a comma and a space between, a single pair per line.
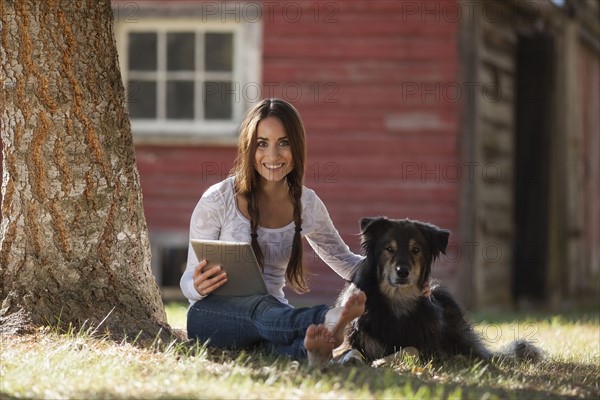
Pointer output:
74, 245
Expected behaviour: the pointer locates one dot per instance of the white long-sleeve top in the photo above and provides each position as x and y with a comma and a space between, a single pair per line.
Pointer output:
217, 217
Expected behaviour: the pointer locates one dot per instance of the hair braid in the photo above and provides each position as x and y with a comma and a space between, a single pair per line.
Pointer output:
295, 269
254, 218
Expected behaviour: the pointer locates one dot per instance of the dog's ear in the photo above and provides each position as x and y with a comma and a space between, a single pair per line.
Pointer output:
437, 237
364, 222
370, 230
370, 226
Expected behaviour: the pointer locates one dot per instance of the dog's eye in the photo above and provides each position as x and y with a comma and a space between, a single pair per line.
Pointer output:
416, 250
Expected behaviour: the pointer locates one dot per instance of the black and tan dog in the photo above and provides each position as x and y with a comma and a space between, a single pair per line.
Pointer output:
399, 257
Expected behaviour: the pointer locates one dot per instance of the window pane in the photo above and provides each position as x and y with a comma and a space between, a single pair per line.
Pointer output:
142, 51
180, 100
141, 99
217, 100
180, 51
218, 51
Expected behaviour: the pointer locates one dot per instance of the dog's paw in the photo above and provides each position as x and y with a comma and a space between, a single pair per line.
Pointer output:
410, 351
352, 358
399, 356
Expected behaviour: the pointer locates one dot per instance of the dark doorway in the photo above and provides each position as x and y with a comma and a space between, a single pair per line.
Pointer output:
535, 88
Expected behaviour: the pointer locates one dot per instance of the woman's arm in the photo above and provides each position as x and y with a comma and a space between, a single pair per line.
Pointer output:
205, 224
328, 244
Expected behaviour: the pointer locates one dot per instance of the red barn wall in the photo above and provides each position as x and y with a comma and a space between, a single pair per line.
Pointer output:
174, 177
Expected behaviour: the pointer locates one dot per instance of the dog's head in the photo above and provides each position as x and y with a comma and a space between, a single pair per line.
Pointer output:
400, 252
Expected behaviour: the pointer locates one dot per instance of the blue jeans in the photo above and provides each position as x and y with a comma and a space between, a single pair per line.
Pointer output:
249, 321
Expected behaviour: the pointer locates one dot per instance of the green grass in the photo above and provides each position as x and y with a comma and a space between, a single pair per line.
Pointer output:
50, 365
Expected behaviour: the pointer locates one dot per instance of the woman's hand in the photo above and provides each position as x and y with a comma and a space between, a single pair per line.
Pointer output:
210, 280
427, 290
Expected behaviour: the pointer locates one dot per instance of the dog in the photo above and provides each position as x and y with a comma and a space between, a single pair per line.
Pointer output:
399, 256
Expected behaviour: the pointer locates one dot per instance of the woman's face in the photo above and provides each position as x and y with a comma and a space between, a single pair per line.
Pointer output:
273, 157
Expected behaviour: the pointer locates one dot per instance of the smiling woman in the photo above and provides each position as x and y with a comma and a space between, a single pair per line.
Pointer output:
273, 134
265, 203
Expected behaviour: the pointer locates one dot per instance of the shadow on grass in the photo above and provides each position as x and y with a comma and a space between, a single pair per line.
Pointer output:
439, 379
5, 396
380, 381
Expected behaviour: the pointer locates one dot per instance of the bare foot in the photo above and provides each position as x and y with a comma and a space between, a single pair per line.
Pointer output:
319, 345
337, 318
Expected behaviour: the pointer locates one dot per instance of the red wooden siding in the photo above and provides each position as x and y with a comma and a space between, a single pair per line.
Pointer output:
173, 179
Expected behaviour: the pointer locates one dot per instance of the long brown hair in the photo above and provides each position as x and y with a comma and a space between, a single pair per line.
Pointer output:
247, 177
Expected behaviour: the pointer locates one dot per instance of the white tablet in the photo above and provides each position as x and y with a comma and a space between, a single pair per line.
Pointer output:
244, 276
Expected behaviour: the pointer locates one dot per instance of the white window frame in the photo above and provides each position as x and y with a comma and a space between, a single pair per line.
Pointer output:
247, 51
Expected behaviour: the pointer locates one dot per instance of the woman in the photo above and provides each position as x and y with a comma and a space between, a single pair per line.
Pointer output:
264, 202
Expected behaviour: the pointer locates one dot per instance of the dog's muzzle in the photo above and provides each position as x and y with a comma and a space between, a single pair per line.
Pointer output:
401, 276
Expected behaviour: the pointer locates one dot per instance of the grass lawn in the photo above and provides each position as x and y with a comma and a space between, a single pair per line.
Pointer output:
48, 365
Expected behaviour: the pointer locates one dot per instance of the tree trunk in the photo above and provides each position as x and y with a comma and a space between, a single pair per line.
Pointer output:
74, 245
